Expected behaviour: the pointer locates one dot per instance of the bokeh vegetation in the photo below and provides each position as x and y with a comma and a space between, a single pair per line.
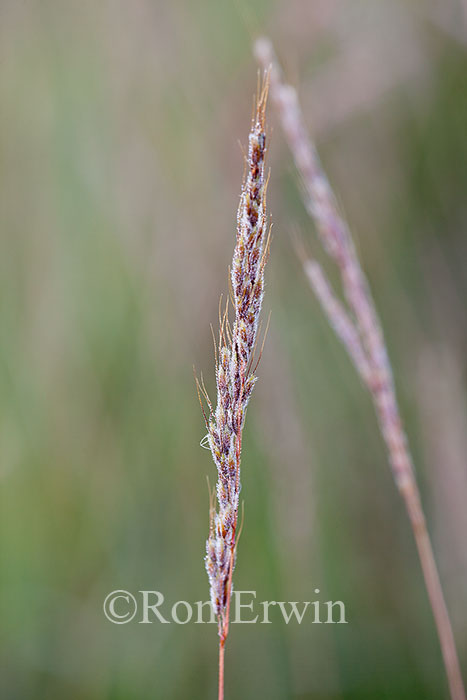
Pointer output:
119, 182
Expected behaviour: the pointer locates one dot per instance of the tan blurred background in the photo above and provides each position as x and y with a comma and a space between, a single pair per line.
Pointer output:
120, 172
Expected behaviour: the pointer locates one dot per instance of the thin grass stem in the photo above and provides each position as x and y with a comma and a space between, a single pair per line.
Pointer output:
359, 329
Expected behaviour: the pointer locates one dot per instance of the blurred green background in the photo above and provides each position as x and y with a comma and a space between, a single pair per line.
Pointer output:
120, 173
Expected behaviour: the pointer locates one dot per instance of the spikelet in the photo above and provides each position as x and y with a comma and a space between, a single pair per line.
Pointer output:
235, 373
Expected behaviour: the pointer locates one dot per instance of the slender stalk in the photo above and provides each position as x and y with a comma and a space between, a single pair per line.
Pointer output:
435, 591
359, 329
221, 669
224, 620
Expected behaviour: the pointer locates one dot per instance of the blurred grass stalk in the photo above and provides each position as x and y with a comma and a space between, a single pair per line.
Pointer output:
357, 325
